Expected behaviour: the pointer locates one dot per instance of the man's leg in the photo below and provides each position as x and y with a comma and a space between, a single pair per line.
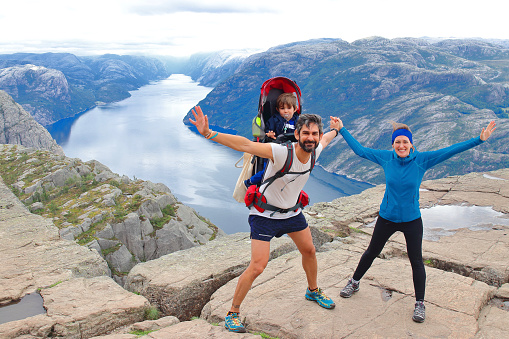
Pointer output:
260, 251
304, 242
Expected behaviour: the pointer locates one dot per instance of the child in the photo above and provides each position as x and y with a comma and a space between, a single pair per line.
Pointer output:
284, 122
278, 125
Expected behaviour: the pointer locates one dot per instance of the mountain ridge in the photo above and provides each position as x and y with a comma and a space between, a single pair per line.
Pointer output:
441, 94
88, 81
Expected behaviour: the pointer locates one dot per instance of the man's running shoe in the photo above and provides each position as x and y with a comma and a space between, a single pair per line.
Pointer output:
320, 297
349, 289
232, 323
419, 312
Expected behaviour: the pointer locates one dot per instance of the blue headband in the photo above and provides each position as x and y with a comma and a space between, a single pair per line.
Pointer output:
402, 131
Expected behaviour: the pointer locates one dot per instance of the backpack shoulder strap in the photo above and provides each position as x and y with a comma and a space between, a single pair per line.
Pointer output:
284, 170
288, 165
313, 160
289, 159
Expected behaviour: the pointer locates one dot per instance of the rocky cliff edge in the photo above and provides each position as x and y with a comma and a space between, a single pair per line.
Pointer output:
20, 128
467, 279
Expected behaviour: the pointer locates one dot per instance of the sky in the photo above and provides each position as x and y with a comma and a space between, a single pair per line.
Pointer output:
182, 28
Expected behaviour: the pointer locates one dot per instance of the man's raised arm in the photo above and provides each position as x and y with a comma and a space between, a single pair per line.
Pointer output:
335, 127
236, 142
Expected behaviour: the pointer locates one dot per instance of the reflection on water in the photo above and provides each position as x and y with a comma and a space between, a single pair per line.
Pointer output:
454, 217
443, 220
28, 306
487, 176
439, 221
500, 303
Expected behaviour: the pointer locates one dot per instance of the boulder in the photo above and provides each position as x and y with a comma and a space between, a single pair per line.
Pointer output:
503, 292
121, 260
383, 307
150, 209
80, 308
182, 282
131, 232
106, 232
486, 261
34, 255
154, 325
196, 329
198, 228
60, 177
174, 236
493, 323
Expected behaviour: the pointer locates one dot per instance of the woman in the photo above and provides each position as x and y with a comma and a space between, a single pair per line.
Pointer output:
404, 168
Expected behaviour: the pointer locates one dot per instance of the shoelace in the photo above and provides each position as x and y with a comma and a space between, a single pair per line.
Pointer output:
350, 286
320, 292
419, 310
235, 319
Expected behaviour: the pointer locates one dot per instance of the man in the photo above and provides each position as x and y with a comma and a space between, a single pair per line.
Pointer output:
283, 193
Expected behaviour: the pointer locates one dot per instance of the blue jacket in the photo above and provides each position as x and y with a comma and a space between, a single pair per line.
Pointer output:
403, 176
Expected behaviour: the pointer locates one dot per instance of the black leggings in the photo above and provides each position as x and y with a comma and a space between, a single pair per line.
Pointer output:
413, 236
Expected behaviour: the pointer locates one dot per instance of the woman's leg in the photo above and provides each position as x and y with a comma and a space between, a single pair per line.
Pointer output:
382, 232
413, 235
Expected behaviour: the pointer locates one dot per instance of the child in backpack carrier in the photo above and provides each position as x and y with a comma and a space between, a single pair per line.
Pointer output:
277, 126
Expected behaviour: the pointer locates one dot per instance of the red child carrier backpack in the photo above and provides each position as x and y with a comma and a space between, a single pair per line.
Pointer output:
269, 92
267, 106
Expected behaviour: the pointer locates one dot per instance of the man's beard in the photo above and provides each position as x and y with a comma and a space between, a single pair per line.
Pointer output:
309, 146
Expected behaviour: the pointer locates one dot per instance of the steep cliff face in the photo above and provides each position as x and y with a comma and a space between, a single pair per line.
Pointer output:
42, 91
126, 221
19, 128
445, 91
209, 69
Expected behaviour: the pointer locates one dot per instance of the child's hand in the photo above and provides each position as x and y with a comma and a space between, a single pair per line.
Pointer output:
271, 134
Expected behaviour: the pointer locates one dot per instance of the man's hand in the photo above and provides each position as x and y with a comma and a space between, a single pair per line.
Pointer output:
336, 122
329, 136
201, 121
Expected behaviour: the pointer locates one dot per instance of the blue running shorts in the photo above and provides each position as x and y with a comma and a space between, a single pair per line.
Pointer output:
266, 228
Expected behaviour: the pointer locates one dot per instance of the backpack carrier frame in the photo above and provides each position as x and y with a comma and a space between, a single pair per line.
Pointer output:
267, 106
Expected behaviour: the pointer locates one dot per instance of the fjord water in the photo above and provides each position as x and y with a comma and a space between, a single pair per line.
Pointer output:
144, 137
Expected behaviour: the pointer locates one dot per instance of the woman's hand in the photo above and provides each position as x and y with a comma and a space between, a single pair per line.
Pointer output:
336, 122
201, 121
486, 132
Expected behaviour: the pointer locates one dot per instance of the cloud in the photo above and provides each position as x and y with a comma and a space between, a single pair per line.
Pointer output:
184, 27
205, 7
84, 47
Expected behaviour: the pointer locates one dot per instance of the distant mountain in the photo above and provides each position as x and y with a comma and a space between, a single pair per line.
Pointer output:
209, 69
19, 128
446, 91
53, 86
